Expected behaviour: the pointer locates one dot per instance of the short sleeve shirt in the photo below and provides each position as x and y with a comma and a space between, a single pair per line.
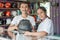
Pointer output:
46, 26
17, 19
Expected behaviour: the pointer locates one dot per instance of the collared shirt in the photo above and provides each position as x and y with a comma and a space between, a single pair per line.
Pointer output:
47, 26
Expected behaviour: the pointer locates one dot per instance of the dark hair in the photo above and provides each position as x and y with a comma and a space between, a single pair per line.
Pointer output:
43, 8
24, 2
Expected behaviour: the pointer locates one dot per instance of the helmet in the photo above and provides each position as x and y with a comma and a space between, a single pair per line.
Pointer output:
7, 5
1, 5
24, 25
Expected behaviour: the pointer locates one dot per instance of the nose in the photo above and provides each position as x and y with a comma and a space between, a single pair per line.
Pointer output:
24, 8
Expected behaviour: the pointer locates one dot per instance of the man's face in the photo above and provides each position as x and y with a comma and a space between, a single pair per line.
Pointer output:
24, 8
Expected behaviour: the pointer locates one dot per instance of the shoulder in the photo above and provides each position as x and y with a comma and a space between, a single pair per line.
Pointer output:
31, 17
17, 16
48, 20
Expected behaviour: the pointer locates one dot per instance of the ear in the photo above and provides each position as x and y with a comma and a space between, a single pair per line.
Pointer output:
19, 8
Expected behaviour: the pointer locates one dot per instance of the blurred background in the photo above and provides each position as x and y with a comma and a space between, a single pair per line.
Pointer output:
10, 8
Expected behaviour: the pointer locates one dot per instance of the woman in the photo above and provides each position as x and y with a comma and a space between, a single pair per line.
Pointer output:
45, 27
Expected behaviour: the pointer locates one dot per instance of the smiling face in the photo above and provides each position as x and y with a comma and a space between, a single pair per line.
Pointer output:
41, 14
24, 8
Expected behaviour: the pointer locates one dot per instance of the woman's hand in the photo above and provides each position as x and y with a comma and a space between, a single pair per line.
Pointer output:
27, 33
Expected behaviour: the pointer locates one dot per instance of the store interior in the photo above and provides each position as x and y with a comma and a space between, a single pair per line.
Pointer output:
10, 8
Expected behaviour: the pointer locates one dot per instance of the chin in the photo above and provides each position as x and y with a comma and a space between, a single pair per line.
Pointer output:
23, 11
41, 18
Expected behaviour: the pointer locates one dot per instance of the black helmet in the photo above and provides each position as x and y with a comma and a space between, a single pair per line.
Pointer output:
24, 25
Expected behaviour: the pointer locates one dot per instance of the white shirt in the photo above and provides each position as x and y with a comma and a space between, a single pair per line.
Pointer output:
17, 19
46, 26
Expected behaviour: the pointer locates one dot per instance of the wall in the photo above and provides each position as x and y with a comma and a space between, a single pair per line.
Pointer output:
55, 15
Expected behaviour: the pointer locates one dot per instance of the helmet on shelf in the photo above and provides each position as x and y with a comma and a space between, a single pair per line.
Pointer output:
7, 4
1, 5
8, 13
14, 5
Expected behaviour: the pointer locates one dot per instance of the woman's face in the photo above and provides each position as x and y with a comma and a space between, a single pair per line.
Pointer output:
24, 8
41, 13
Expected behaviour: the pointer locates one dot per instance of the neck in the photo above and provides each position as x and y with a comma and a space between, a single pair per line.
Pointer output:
24, 15
44, 18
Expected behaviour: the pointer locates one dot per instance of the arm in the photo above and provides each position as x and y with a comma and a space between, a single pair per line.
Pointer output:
38, 34
12, 26
10, 29
45, 30
33, 24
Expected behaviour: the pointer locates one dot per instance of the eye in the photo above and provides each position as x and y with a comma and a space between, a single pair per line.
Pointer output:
41, 12
22, 7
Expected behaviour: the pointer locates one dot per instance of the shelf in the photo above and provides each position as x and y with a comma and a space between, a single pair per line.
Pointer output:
10, 8
20, 1
5, 25
8, 1
1, 17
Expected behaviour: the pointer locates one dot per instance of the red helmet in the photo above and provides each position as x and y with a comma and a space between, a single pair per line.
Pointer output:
8, 13
1, 5
7, 5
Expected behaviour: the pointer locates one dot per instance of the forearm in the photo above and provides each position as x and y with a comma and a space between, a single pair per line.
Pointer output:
39, 34
11, 34
10, 29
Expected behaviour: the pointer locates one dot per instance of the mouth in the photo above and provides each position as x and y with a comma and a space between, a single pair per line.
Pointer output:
24, 11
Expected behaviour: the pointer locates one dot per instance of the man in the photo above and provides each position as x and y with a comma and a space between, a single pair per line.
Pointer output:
17, 19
